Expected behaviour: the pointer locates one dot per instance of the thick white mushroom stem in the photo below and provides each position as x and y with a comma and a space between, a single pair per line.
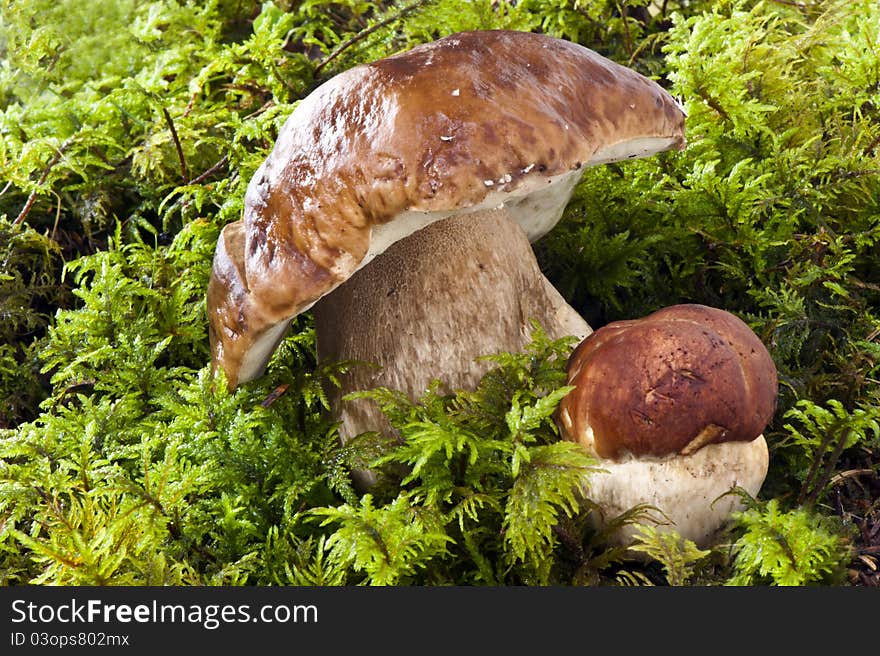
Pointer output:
694, 492
430, 305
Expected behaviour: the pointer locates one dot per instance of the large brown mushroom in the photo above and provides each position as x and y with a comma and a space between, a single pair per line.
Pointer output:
674, 406
492, 127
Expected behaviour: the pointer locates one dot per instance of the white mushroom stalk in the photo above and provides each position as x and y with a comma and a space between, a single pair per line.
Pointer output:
695, 494
430, 305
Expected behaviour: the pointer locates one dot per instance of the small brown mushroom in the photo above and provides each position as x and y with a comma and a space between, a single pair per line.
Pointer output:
479, 121
674, 406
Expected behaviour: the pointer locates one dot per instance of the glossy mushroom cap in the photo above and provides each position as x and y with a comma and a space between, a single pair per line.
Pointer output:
470, 122
672, 382
673, 405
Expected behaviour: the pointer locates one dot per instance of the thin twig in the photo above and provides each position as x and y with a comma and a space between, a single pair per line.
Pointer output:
211, 171
713, 103
266, 105
627, 39
33, 195
850, 474
360, 36
192, 101
275, 394
57, 216
183, 170
799, 5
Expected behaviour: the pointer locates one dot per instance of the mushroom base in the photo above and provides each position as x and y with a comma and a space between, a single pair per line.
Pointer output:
428, 308
688, 490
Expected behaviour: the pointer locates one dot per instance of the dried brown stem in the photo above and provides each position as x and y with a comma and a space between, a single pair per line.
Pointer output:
33, 195
714, 104
184, 172
360, 36
851, 473
211, 171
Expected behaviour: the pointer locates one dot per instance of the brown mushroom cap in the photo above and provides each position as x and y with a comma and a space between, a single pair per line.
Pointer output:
469, 122
671, 382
